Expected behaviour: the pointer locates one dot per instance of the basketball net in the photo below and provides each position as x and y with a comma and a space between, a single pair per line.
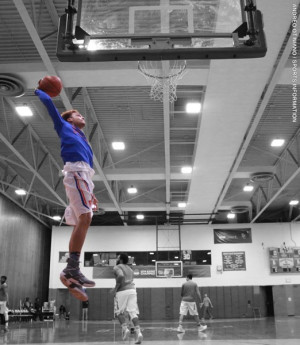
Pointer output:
163, 81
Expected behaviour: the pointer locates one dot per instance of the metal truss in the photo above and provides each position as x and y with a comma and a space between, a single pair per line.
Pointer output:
287, 168
31, 203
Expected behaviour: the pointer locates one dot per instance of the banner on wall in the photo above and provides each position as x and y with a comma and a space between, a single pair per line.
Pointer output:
234, 261
284, 260
232, 235
150, 272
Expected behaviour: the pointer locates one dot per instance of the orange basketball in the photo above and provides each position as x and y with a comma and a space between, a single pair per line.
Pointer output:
50, 84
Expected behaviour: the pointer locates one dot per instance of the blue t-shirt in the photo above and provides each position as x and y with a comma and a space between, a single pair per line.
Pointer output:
74, 145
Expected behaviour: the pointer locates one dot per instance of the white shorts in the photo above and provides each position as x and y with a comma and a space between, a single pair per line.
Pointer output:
126, 301
186, 307
79, 189
3, 307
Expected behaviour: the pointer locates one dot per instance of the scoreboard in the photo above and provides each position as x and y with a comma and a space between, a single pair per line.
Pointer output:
284, 260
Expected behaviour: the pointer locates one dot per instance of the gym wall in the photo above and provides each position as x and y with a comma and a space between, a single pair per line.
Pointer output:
159, 298
24, 254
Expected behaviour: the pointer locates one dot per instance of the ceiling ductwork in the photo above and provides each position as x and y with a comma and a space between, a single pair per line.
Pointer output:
262, 177
239, 209
11, 86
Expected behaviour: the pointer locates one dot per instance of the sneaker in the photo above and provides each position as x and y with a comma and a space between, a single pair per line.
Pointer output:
125, 334
72, 275
180, 329
78, 292
139, 338
202, 328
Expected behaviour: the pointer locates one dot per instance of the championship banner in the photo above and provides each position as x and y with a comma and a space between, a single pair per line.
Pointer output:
150, 272
234, 261
284, 260
232, 236
138, 271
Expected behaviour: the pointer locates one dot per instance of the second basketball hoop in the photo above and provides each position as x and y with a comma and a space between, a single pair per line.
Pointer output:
163, 77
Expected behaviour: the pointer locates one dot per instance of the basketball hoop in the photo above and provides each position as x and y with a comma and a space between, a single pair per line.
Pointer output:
163, 77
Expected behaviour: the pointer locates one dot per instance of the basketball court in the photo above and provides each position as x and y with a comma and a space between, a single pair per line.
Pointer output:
190, 109
239, 332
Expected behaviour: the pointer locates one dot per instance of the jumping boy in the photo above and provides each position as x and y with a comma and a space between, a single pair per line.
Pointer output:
78, 170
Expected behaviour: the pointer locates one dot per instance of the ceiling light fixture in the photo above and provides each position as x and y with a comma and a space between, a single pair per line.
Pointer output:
248, 188
186, 170
56, 218
230, 215
181, 204
140, 216
277, 142
20, 191
118, 145
24, 111
294, 202
193, 108
132, 190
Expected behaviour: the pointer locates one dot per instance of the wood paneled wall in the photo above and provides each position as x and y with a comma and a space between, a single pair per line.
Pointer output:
286, 300
163, 303
24, 254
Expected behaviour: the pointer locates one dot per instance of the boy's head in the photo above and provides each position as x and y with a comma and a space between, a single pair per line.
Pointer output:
122, 259
189, 276
3, 279
74, 118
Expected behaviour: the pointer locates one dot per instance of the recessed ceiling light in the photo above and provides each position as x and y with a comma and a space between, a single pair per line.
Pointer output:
24, 111
186, 170
193, 108
248, 188
20, 191
132, 190
118, 145
277, 142
230, 215
56, 218
294, 202
140, 216
181, 204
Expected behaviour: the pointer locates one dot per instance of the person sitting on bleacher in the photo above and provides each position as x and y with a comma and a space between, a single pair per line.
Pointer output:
28, 306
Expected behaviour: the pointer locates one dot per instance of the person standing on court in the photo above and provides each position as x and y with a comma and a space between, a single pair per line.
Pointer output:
189, 291
4, 301
126, 298
78, 171
206, 307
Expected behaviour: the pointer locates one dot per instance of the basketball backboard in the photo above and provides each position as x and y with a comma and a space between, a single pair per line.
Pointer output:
132, 30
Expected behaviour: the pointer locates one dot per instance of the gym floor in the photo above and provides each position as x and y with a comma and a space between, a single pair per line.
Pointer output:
265, 331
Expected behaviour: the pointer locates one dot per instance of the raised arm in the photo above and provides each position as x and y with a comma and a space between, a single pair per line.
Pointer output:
53, 112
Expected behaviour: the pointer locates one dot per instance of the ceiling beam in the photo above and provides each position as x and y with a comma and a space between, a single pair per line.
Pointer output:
98, 166
166, 111
108, 74
270, 86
